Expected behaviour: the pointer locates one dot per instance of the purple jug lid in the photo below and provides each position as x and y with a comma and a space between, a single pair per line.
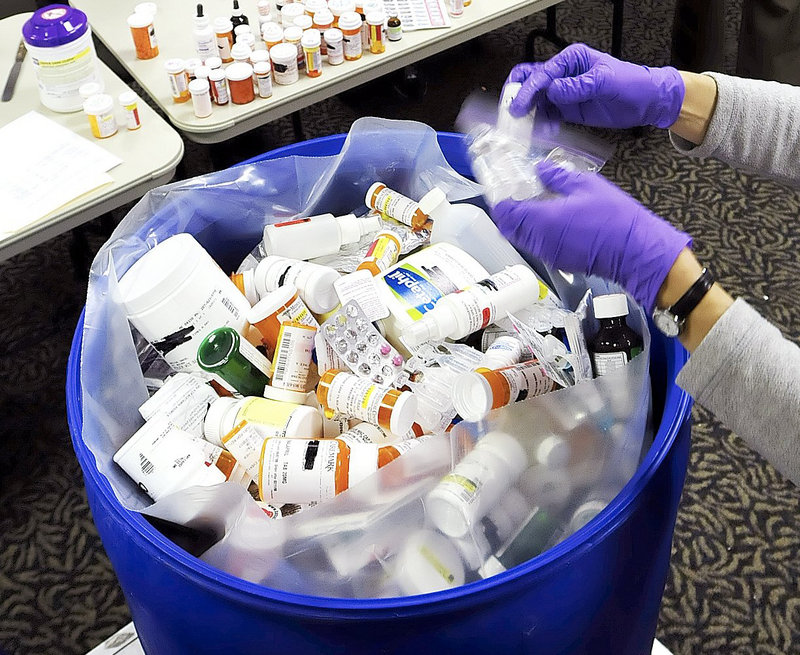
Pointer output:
54, 25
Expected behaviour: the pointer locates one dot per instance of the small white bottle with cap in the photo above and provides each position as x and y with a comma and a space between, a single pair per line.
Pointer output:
428, 562
461, 313
201, 97
314, 282
317, 236
476, 484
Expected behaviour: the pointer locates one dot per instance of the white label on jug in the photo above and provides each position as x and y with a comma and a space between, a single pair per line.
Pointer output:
264, 82
293, 356
183, 400
355, 397
244, 442
298, 470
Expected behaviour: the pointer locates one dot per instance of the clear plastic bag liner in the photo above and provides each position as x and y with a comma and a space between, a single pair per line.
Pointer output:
352, 545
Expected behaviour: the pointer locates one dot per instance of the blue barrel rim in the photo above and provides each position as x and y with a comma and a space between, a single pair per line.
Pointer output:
220, 583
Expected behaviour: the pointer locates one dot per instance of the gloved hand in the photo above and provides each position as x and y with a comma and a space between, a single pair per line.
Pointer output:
594, 227
582, 85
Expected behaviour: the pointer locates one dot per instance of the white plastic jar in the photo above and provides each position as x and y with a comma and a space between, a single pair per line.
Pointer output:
175, 295
59, 40
284, 63
333, 40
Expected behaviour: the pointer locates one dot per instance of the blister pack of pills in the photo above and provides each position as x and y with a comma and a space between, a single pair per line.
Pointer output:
356, 341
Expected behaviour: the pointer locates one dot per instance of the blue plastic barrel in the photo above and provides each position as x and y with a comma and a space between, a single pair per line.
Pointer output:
598, 591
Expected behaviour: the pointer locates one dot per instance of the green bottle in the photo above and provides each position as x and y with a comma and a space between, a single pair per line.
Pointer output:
224, 353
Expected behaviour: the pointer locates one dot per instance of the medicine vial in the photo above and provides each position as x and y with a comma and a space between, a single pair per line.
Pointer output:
476, 484
262, 70
314, 282
88, 90
240, 82
271, 418
316, 236
276, 308
175, 295
291, 11
144, 35
264, 7
322, 21
312, 51
350, 25
237, 17
375, 22
223, 31
178, 79
284, 63
340, 392
503, 351
294, 36
340, 7
473, 308
311, 470
539, 532
382, 253
219, 86
100, 111
241, 52
244, 34
615, 344
333, 40
475, 394
192, 64
129, 103
259, 56
213, 62
397, 206
271, 34
205, 42
394, 28
225, 354
304, 22
201, 98
292, 359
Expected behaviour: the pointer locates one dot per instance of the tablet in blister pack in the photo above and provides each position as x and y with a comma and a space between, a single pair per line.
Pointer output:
356, 341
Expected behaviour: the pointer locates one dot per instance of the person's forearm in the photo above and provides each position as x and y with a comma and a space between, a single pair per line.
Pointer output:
697, 109
682, 275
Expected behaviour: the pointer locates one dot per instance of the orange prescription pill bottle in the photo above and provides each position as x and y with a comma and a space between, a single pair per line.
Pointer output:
280, 306
178, 79
223, 29
350, 25
240, 82
144, 35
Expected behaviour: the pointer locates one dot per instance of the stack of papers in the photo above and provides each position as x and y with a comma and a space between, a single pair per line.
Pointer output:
418, 14
44, 167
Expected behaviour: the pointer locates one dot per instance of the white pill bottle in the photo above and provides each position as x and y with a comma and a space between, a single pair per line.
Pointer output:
175, 295
59, 40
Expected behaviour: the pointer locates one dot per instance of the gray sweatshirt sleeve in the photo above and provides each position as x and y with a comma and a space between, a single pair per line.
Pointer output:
748, 375
755, 127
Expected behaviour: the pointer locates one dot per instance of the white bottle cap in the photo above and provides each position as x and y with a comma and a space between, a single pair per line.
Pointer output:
303, 22
220, 419
283, 53
553, 452
324, 17
506, 448
433, 202
290, 12
376, 18
373, 5
150, 8
261, 67
586, 513
292, 34
305, 422
270, 303
404, 413
192, 64
340, 7
313, 6
419, 332
284, 395
271, 32
259, 57
264, 7
333, 35
198, 87
428, 563
610, 306
216, 74
310, 40
349, 20
213, 62
472, 396
139, 19
202, 72
241, 29
317, 287
175, 65
126, 98
240, 51
222, 25
89, 89
238, 71
101, 103
352, 228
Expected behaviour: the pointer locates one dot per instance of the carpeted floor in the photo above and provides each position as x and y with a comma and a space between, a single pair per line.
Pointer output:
734, 584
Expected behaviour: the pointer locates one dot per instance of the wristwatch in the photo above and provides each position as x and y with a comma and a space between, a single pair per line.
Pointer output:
671, 320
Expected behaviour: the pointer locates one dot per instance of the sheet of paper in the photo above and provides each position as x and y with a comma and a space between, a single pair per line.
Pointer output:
418, 14
46, 166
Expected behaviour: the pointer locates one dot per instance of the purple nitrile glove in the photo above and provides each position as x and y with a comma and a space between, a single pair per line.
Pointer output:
582, 85
594, 227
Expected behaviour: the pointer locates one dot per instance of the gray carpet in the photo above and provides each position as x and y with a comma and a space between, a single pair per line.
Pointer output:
734, 584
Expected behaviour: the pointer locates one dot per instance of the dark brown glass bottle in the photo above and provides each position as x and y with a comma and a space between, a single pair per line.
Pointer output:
615, 344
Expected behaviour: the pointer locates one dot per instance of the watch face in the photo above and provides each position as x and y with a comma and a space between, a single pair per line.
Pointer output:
666, 322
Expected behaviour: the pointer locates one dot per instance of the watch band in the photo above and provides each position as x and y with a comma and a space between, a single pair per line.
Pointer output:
689, 300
